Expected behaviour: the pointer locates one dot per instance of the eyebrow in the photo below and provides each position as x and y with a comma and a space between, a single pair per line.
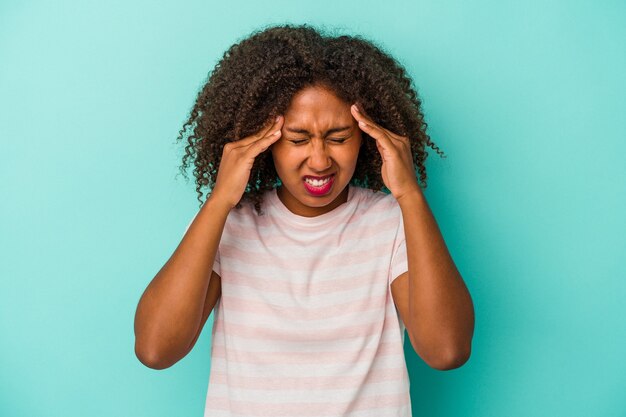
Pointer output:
328, 132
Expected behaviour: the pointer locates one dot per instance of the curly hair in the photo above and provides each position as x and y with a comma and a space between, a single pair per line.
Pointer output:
256, 79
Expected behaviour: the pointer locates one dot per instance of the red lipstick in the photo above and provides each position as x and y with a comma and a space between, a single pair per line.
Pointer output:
319, 190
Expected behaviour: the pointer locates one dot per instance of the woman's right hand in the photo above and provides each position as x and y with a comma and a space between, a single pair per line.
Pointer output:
237, 159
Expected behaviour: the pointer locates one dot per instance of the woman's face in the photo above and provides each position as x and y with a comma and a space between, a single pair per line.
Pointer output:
320, 138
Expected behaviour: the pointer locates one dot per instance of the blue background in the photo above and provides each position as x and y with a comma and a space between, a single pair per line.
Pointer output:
527, 99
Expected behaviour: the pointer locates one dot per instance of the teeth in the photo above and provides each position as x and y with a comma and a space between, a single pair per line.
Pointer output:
317, 183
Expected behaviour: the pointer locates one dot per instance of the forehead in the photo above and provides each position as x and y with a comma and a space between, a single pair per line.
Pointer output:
317, 107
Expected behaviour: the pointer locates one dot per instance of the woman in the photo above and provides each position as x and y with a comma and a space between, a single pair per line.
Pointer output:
314, 272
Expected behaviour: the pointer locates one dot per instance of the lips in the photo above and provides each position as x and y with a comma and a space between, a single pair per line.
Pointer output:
320, 190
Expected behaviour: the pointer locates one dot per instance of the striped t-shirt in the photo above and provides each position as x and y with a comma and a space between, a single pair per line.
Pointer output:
306, 324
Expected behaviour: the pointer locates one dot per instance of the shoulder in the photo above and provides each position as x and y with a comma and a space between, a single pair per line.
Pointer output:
377, 200
381, 209
246, 213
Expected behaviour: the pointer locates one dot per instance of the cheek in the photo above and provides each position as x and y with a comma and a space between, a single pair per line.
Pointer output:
282, 157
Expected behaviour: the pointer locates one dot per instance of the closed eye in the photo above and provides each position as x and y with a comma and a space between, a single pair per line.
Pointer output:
338, 140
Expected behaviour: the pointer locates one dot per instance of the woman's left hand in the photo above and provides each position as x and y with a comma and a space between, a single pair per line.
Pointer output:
397, 170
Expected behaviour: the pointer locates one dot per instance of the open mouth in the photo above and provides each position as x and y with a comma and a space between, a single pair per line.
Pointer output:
319, 187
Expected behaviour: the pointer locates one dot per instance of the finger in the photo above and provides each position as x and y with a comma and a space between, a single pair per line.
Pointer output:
272, 134
276, 123
273, 127
362, 118
378, 134
269, 128
360, 115
262, 144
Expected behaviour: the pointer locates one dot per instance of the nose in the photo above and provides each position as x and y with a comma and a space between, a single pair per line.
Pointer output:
319, 159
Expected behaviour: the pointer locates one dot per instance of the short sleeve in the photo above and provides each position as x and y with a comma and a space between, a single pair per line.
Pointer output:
399, 263
216, 262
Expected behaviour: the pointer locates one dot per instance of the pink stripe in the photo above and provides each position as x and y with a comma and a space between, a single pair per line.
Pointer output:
304, 263
305, 358
282, 383
261, 308
304, 335
305, 289
264, 409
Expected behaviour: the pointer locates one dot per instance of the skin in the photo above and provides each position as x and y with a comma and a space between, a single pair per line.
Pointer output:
316, 110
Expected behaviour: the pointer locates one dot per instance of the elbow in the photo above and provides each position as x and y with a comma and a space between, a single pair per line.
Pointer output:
451, 358
150, 358
443, 356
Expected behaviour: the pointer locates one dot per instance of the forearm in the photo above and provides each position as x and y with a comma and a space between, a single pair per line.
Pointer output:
440, 307
170, 309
